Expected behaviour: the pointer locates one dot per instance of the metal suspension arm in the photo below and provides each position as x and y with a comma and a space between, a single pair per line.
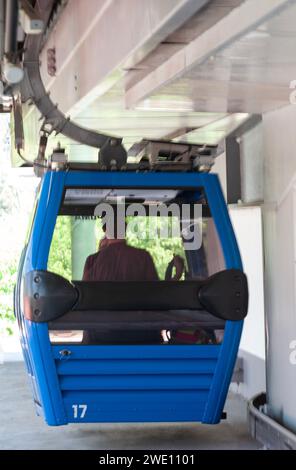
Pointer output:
54, 120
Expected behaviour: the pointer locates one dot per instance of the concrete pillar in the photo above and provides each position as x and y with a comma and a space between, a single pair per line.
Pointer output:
83, 244
279, 139
251, 165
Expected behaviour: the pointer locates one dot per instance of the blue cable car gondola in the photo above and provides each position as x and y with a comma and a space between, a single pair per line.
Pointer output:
128, 382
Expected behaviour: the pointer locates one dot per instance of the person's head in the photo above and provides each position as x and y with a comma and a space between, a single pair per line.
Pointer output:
114, 228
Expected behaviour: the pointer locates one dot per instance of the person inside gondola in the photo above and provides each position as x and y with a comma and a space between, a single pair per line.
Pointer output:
117, 261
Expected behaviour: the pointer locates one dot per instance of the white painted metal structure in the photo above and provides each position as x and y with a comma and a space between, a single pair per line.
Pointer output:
99, 53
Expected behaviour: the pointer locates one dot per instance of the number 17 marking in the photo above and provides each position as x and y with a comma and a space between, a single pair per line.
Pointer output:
79, 411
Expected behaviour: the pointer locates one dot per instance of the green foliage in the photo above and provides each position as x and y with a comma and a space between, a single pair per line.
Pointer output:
59, 260
8, 204
161, 249
8, 273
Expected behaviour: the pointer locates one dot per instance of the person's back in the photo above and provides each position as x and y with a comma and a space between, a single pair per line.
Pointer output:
117, 261
120, 262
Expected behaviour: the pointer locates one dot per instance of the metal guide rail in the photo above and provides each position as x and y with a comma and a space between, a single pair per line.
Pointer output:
147, 155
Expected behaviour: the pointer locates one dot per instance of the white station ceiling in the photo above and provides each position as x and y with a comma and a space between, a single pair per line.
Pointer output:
181, 69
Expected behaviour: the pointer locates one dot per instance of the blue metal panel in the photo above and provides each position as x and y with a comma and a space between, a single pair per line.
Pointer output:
134, 180
37, 334
233, 330
132, 383
136, 406
136, 366
130, 395
148, 383
136, 352
141, 381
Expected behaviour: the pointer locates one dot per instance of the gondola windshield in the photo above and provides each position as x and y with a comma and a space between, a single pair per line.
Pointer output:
162, 239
